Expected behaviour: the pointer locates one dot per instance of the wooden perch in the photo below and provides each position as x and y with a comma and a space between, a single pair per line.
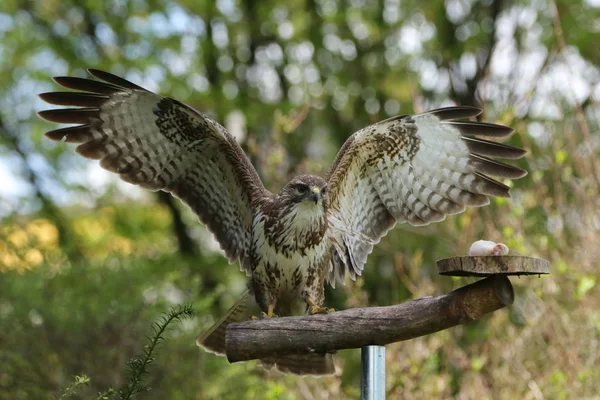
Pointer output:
359, 327
493, 265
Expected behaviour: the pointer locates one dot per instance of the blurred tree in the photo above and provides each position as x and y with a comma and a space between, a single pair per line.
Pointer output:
87, 262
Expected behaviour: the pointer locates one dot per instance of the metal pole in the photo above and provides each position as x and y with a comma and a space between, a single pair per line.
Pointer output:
373, 372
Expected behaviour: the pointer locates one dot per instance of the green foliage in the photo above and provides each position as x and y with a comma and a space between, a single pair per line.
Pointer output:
73, 387
138, 366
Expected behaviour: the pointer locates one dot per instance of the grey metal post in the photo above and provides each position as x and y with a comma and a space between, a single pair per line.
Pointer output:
373, 372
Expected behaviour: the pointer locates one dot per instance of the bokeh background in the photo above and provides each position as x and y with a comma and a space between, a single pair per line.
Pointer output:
87, 263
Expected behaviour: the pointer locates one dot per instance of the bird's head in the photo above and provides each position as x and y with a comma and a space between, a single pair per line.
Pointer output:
307, 189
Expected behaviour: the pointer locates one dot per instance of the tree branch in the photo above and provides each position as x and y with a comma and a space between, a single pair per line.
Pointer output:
66, 236
187, 245
366, 326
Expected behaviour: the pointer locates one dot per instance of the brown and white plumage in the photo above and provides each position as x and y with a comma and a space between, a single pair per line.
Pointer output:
161, 144
414, 169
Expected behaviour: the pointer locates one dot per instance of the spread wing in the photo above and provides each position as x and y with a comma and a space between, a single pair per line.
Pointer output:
162, 144
414, 169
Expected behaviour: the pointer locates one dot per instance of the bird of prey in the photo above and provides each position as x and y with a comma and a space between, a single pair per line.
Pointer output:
413, 169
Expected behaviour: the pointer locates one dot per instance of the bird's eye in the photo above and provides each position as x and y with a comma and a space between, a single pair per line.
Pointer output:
301, 189
324, 190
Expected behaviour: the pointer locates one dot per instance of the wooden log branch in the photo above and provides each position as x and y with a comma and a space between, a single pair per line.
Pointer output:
493, 265
359, 327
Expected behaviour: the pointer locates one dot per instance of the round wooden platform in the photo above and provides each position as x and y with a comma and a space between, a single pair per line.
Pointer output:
493, 265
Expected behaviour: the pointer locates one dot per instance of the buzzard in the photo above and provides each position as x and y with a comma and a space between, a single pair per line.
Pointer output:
412, 169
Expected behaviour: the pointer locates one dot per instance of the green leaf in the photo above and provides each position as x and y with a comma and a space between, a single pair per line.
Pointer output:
585, 284
560, 157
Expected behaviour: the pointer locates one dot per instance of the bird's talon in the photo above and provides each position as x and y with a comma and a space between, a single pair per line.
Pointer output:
320, 310
264, 315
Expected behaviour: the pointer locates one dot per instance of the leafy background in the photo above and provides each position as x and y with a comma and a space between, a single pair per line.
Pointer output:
87, 263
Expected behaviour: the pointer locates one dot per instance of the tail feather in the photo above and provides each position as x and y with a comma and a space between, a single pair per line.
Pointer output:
213, 341
302, 364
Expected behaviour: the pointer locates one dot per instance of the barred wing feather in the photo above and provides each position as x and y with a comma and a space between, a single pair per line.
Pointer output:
413, 169
161, 144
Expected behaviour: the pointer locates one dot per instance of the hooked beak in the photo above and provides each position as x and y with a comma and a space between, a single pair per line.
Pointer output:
316, 195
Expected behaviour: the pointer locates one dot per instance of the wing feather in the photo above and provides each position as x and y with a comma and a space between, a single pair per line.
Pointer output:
74, 99
492, 149
469, 128
162, 144
87, 85
414, 169
71, 115
115, 80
